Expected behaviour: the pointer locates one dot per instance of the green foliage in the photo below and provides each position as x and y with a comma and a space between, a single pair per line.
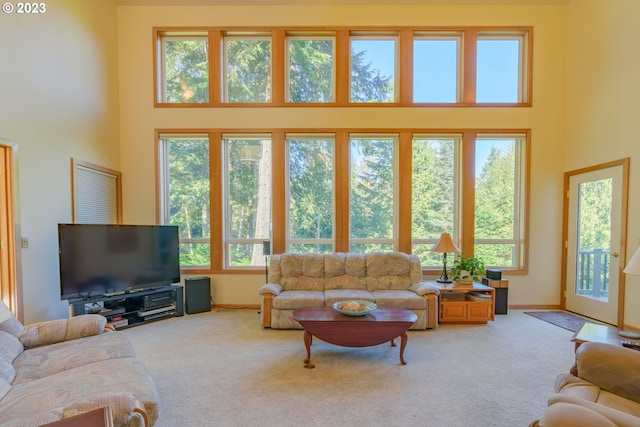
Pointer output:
189, 196
310, 70
367, 85
310, 188
595, 214
372, 188
495, 205
474, 267
186, 71
248, 70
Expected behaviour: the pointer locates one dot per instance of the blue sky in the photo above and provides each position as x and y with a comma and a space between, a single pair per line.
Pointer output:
435, 67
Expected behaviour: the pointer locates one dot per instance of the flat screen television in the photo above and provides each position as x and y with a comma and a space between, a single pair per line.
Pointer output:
101, 259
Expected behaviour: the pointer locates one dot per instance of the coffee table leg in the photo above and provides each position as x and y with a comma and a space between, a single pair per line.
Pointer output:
307, 344
403, 344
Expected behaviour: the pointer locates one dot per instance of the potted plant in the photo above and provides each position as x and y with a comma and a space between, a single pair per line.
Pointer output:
467, 270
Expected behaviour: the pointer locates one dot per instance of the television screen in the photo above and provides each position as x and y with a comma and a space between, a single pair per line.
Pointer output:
101, 259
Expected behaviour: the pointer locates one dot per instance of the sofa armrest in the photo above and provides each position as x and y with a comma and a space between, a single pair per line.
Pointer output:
612, 368
125, 408
270, 288
597, 414
53, 331
423, 288
568, 414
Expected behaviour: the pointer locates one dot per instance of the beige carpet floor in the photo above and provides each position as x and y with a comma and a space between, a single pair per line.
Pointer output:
221, 368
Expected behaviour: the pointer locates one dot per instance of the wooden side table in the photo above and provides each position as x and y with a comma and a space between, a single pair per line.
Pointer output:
596, 333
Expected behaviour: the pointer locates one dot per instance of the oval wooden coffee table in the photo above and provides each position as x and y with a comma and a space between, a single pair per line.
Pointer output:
379, 326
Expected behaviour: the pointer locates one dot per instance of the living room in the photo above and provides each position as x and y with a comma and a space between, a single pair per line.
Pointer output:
78, 82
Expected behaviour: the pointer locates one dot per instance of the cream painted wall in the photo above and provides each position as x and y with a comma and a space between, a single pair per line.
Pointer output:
602, 111
546, 118
58, 100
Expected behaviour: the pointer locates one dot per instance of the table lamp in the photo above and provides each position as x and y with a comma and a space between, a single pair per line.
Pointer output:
633, 267
445, 245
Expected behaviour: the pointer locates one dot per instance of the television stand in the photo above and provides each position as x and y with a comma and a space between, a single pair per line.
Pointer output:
124, 310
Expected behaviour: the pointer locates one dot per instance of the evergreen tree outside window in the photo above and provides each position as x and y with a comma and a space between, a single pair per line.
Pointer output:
247, 216
372, 207
499, 204
310, 193
311, 76
434, 190
247, 68
373, 69
184, 75
184, 195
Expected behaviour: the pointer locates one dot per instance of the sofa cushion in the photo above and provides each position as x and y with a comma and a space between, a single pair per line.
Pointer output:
400, 298
8, 322
7, 371
10, 346
388, 271
345, 271
5, 386
43, 361
302, 272
334, 295
290, 300
93, 382
38, 419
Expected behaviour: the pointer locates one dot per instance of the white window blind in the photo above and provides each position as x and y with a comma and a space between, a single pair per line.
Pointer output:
95, 196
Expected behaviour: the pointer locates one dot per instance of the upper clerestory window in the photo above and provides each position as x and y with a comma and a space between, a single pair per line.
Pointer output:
183, 68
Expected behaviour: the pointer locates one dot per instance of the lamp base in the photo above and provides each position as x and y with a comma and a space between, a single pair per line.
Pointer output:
630, 335
441, 280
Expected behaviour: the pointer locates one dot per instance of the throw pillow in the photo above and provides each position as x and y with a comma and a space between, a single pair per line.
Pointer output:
10, 346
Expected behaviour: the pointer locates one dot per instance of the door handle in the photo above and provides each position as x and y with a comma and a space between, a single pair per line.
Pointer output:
615, 254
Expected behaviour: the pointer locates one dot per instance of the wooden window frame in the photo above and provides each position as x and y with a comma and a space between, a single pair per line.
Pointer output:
342, 89
403, 241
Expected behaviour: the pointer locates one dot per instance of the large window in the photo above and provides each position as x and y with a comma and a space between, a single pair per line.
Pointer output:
312, 67
352, 181
372, 209
434, 189
247, 203
499, 200
184, 69
185, 195
310, 193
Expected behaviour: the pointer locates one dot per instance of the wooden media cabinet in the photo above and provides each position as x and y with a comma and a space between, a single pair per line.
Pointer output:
457, 303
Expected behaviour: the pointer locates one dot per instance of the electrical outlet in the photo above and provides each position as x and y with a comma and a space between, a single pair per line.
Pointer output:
25, 243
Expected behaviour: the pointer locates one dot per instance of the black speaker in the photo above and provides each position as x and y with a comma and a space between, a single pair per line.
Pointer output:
266, 247
197, 294
179, 301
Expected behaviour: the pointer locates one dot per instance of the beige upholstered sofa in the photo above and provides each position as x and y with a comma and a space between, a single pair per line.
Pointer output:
390, 279
605, 392
61, 368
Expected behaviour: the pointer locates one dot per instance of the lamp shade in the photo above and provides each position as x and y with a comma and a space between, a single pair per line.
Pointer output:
445, 244
633, 267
